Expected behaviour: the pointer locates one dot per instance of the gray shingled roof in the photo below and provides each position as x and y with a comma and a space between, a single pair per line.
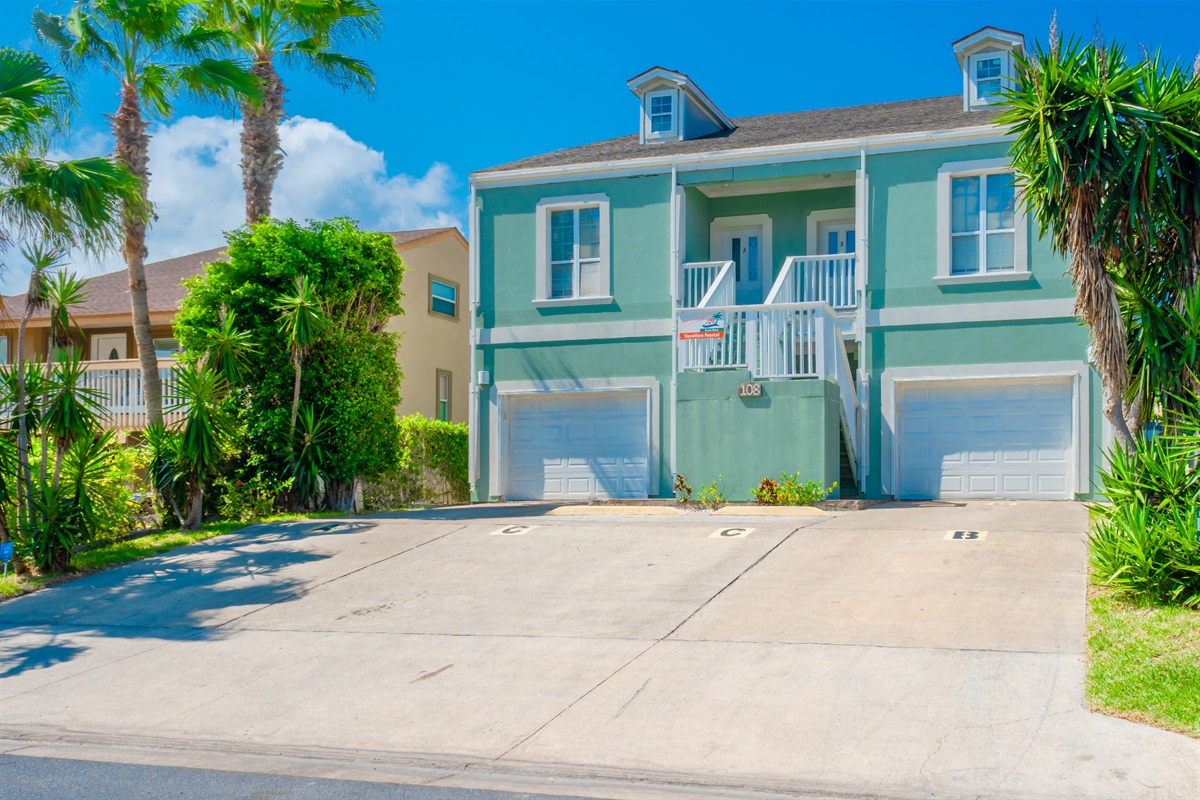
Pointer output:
830, 124
109, 293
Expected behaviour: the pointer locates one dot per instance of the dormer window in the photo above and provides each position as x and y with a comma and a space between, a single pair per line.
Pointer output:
660, 114
988, 69
674, 109
986, 57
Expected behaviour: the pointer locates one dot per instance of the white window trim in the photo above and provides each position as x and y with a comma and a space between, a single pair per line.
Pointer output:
960, 169
661, 136
973, 98
542, 290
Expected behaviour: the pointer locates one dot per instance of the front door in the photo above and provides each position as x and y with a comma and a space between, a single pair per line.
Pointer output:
108, 347
744, 248
836, 237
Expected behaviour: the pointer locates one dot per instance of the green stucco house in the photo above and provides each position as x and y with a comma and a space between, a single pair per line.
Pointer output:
853, 294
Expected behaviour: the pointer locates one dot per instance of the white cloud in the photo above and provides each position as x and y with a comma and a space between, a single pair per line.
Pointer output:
196, 186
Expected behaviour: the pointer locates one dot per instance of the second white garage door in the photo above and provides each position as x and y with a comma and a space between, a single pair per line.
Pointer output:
578, 445
1008, 438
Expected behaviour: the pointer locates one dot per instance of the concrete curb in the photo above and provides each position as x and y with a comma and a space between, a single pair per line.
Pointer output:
770, 511
611, 511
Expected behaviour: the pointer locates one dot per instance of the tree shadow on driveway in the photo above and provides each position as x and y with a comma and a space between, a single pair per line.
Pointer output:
187, 593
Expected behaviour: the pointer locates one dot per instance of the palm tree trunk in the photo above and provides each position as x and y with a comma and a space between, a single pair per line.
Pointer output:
1096, 304
261, 156
24, 476
132, 151
295, 389
45, 398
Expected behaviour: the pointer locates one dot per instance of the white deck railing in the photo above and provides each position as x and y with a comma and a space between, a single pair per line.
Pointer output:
817, 279
118, 388
772, 340
696, 278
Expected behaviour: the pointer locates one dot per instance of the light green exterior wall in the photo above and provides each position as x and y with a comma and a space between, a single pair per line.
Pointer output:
640, 210
793, 427
713, 423
903, 237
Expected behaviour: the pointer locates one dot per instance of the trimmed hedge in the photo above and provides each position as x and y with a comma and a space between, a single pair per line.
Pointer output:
432, 467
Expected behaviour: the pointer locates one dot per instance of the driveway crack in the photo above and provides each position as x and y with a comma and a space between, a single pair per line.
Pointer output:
641, 653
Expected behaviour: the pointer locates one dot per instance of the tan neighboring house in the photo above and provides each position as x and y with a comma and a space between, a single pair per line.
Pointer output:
434, 354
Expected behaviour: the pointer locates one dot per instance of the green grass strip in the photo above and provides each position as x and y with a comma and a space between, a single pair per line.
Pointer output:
1144, 663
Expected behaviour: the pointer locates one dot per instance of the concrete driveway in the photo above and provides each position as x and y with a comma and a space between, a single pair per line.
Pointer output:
864, 654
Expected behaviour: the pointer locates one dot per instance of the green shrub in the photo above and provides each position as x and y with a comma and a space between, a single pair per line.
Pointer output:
712, 496
433, 467
790, 491
252, 494
1144, 543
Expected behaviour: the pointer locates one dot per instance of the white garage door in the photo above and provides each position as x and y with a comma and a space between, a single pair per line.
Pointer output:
576, 446
986, 438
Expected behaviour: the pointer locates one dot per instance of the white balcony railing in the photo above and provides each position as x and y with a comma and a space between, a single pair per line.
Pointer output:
118, 388
696, 278
818, 279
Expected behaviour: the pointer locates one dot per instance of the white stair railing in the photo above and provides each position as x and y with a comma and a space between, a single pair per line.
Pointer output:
696, 278
817, 279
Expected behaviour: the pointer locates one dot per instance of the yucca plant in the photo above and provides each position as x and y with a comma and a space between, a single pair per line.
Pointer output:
165, 469
228, 349
71, 411
301, 320
1147, 554
306, 464
200, 393
64, 514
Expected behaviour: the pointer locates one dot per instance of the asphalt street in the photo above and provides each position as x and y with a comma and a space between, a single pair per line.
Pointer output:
23, 778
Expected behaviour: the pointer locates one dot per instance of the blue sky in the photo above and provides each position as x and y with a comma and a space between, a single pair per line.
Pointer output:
464, 86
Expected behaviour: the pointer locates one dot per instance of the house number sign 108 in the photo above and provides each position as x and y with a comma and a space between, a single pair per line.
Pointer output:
750, 389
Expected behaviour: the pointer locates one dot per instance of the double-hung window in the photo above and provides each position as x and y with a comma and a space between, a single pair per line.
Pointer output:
575, 253
572, 251
443, 298
443, 395
982, 232
983, 227
987, 74
661, 110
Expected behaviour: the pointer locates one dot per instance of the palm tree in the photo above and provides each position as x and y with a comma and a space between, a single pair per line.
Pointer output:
75, 202
156, 49
1070, 108
301, 321
299, 33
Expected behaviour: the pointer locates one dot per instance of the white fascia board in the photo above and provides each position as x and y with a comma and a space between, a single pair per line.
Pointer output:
751, 156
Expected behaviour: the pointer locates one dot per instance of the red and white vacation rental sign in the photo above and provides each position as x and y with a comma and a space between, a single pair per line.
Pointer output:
701, 325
